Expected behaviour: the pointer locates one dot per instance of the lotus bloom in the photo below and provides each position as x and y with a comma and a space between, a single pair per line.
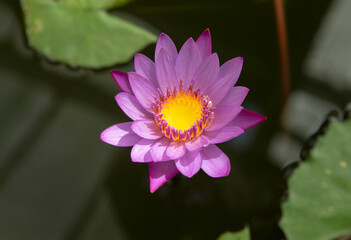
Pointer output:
181, 105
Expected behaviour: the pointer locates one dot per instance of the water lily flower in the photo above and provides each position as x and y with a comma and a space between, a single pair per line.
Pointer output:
181, 106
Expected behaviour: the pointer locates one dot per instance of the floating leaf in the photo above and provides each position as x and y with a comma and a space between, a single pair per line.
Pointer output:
241, 235
82, 33
319, 205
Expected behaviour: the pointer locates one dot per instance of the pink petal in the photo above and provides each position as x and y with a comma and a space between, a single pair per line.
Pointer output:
145, 68
166, 43
207, 73
229, 73
197, 143
204, 44
160, 173
224, 134
223, 115
235, 96
158, 150
232, 66
175, 150
131, 106
147, 129
143, 90
120, 135
141, 151
122, 80
247, 119
188, 60
189, 164
214, 162
165, 72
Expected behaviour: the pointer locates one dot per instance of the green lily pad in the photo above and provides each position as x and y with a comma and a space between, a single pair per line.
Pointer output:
241, 235
81, 32
319, 204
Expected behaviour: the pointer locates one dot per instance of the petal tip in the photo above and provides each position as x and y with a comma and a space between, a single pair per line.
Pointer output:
246, 90
153, 187
117, 97
226, 174
136, 56
188, 175
121, 78
113, 74
102, 136
162, 35
241, 59
261, 118
205, 33
160, 173
204, 43
133, 157
191, 40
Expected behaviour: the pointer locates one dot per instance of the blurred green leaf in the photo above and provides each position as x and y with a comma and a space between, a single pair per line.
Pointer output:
241, 235
82, 33
95, 4
319, 205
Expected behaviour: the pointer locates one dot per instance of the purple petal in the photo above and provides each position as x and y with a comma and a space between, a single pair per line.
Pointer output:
145, 68
207, 73
188, 60
131, 106
158, 150
247, 119
228, 75
122, 80
120, 135
160, 173
147, 129
141, 151
197, 143
166, 43
165, 72
223, 115
235, 96
204, 44
189, 164
175, 150
143, 90
214, 162
232, 66
224, 134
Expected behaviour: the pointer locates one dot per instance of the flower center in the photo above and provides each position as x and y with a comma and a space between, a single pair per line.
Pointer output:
182, 114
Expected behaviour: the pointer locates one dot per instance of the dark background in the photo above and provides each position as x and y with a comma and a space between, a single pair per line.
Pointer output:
59, 181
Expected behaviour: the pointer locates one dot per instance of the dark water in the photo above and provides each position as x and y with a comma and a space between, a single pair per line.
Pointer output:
58, 181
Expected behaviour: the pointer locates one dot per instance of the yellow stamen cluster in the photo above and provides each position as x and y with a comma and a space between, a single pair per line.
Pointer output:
182, 115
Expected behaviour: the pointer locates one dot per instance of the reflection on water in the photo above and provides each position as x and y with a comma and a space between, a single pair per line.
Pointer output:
329, 58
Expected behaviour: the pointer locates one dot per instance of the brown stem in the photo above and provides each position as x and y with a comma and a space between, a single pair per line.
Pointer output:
284, 60
283, 50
